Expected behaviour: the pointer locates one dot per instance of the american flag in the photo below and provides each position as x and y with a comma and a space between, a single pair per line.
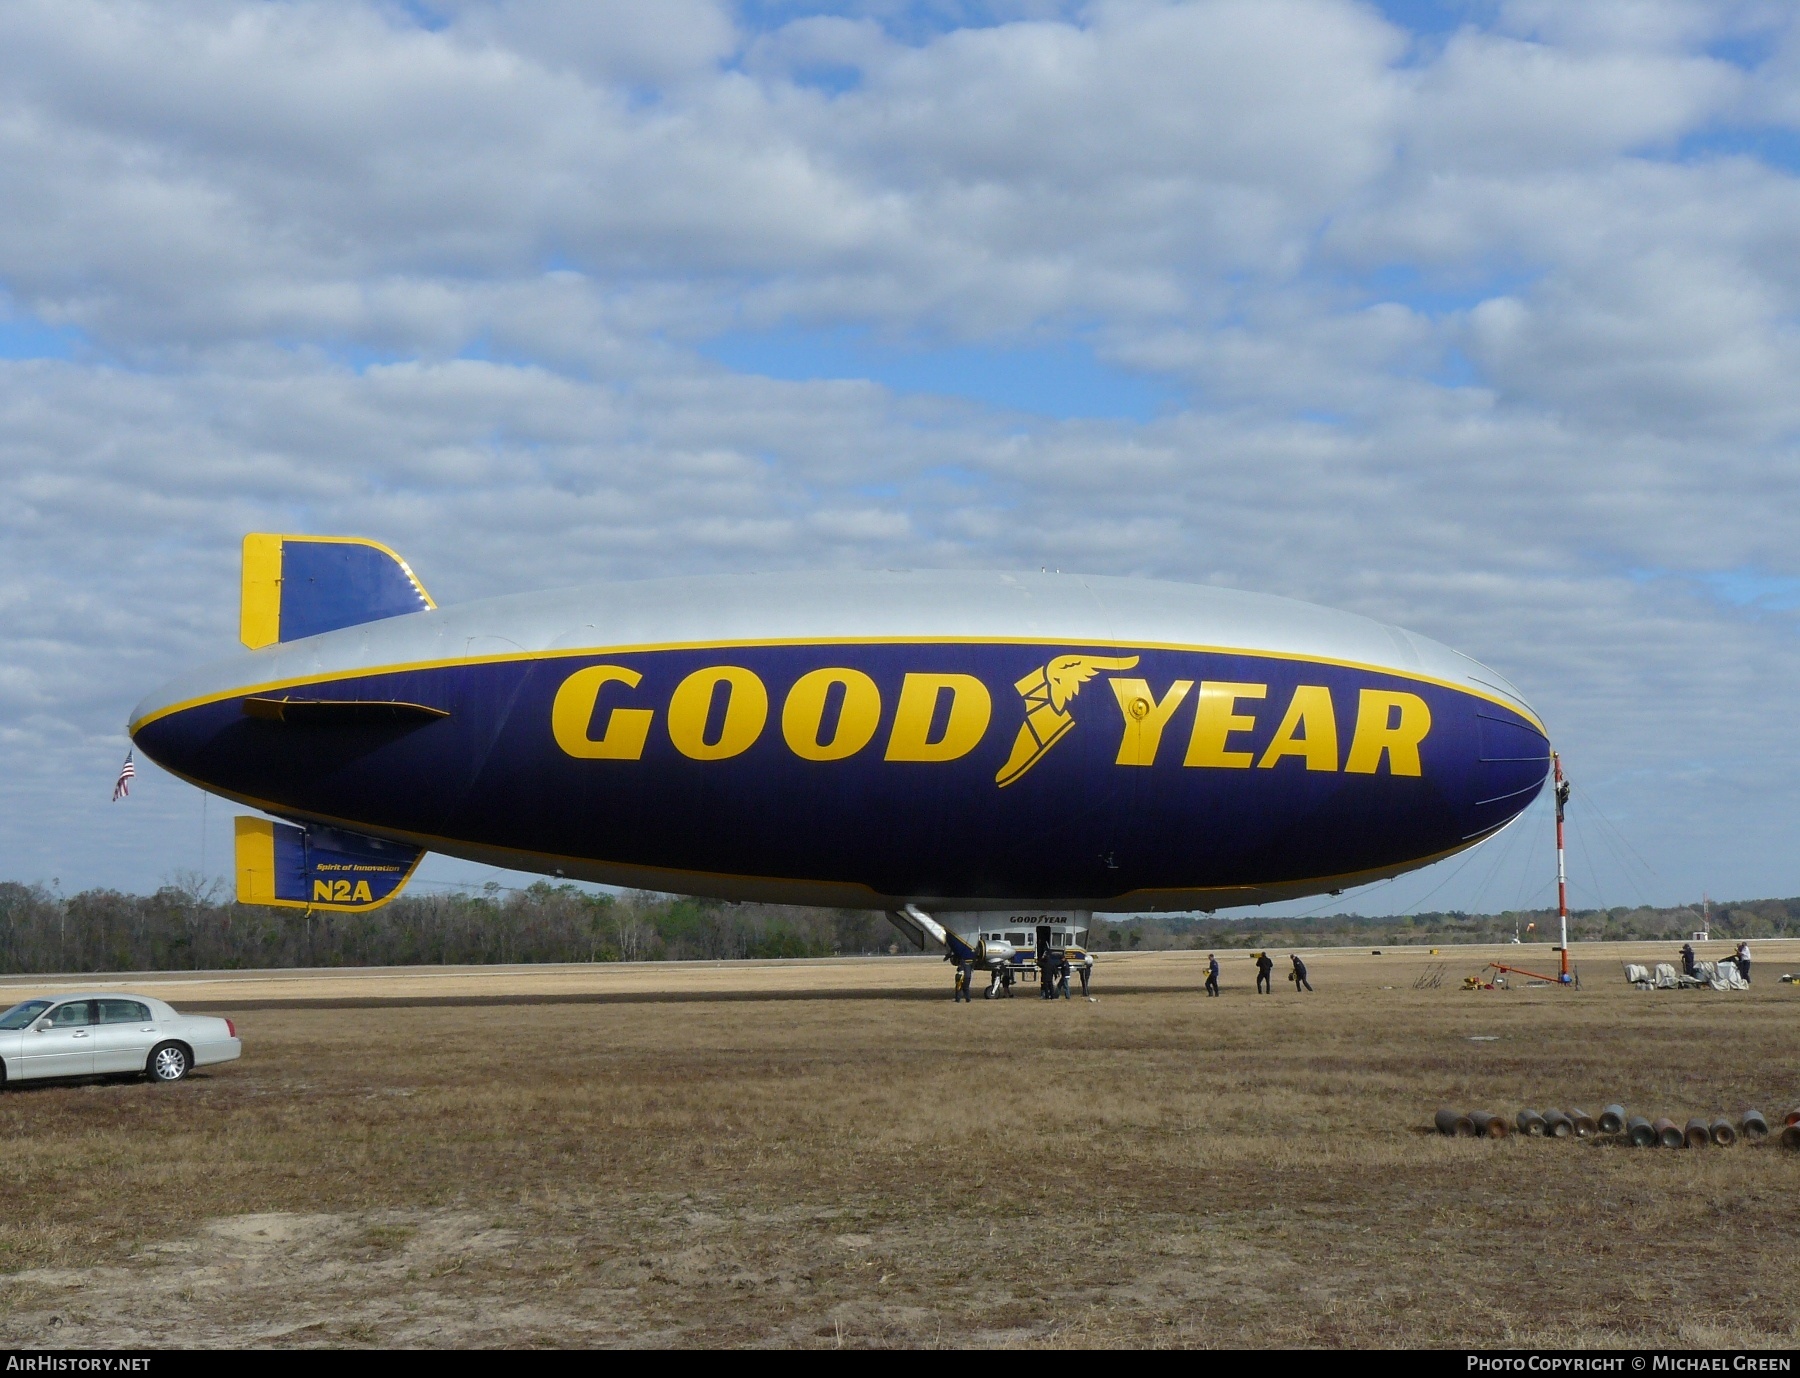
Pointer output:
122, 786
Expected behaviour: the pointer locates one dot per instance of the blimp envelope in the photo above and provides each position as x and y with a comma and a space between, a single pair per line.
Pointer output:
961, 740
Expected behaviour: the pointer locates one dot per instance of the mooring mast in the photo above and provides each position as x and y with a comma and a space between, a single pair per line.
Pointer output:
1562, 891
1562, 876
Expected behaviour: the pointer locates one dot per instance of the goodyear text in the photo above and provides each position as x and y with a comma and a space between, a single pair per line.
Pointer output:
838, 712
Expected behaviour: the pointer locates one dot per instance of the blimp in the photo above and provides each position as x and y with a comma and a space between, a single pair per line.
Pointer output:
925, 743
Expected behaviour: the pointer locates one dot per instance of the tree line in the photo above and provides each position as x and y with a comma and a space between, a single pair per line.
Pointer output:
188, 925
1774, 918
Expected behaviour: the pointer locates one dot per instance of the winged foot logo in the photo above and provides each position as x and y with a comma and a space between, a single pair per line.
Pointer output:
1047, 691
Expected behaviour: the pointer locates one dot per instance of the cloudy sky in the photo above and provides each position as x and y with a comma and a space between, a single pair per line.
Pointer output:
1475, 317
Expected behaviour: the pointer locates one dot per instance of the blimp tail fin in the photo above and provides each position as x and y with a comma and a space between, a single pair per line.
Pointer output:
295, 586
315, 867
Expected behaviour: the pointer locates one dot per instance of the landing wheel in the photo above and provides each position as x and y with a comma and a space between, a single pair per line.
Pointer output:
989, 993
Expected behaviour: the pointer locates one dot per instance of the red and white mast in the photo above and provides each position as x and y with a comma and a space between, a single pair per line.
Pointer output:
1562, 876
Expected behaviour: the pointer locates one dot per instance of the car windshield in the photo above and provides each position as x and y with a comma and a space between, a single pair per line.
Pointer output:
23, 1013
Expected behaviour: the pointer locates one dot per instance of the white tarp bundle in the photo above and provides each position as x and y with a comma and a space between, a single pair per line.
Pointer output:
1718, 975
1721, 975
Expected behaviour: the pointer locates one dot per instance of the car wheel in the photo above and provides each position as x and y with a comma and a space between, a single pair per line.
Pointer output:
169, 1062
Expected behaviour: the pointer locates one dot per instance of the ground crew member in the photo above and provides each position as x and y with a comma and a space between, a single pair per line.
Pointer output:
1212, 974
965, 981
1743, 961
1298, 977
1087, 968
1062, 975
1687, 959
1264, 965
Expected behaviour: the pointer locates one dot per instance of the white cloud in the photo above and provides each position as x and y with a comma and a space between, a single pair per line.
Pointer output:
1498, 104
634, 44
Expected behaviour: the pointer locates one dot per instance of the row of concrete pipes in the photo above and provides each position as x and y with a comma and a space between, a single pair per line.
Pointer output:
1638, 1130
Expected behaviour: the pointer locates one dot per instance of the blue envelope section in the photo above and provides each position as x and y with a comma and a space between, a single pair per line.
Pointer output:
1263, 770
316, 867
332, 584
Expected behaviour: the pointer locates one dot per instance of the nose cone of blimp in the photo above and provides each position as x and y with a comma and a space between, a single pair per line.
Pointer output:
1494, 741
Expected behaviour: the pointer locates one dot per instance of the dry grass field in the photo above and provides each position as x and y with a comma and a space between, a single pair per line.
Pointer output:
831, 1153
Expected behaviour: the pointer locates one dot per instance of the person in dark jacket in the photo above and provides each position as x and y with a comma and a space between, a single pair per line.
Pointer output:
1743, 962
1264, 965
1212, 974
1687, 959
1299, 975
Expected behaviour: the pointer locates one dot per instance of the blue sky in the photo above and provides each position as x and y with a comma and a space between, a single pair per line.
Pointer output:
1062, 381
22, 337
1478, 318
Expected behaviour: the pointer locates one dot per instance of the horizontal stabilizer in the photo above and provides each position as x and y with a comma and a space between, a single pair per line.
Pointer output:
315, 867
341, 712
297, 586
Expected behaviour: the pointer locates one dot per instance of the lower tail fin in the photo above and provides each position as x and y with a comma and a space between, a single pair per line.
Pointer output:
314, 867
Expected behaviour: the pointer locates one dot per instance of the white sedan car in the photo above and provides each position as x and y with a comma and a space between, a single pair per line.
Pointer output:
97, 1035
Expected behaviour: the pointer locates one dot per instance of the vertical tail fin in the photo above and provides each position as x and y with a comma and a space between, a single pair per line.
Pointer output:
295, 586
